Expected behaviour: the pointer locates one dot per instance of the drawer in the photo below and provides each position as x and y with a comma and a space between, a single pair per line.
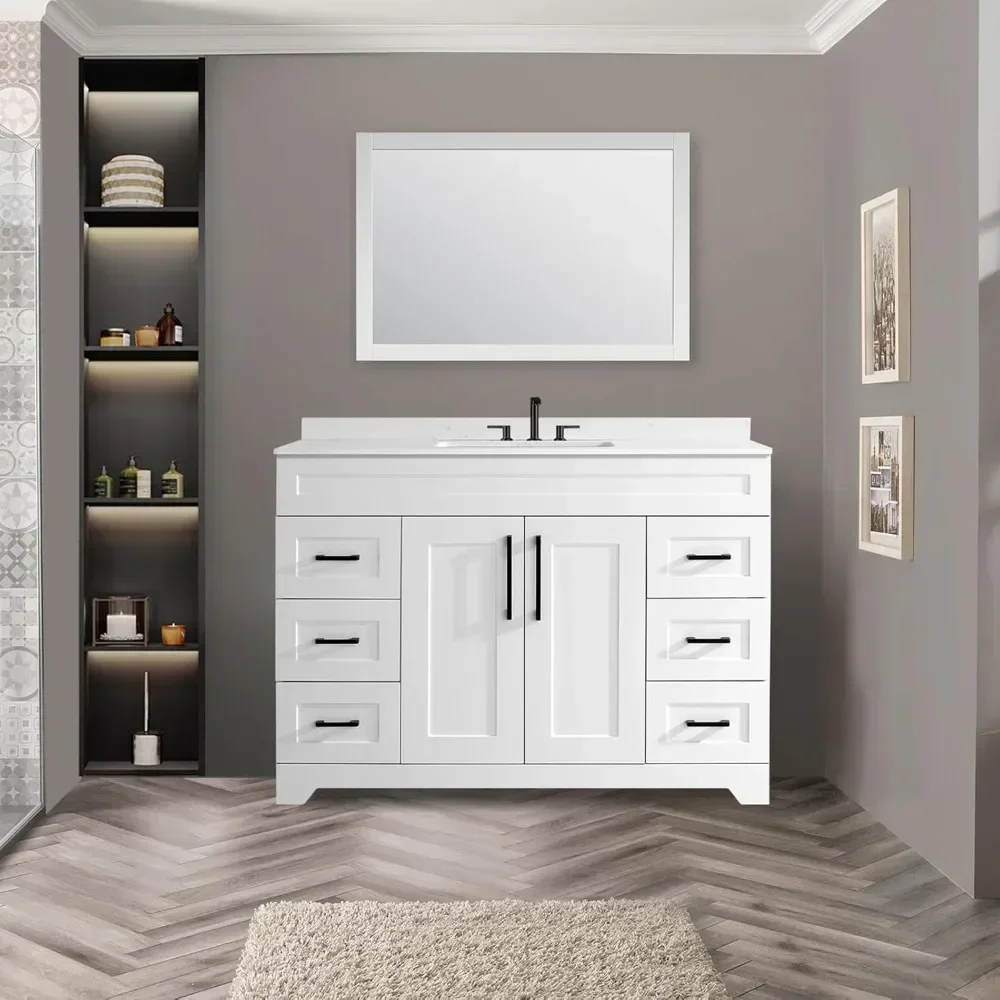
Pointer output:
708, 640
689, 722
337, 640
337, 557
338, 723
708, 557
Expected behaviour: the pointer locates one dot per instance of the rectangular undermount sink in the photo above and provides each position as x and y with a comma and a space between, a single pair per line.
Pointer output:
515, 445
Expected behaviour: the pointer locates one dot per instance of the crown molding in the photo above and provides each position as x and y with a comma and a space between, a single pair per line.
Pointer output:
837, 19
821, 33
90, 39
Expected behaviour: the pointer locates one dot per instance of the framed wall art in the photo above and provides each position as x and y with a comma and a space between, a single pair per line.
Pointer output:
885, 288
885, 486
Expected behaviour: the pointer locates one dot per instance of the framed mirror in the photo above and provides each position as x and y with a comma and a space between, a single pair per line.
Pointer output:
523, 246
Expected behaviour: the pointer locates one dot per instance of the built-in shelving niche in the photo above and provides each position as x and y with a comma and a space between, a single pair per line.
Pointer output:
146, 402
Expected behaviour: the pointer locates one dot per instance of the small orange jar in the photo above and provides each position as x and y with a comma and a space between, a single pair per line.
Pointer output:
173, 635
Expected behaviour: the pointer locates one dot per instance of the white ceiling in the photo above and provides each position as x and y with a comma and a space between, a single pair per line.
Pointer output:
195, 27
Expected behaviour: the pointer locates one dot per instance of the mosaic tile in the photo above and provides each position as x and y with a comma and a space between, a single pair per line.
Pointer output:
18, 620
20, 109
17, 392
20, 729
17, 280
20, 782
17, 161
18, 504
20, 51
17, 458
18, 559
17, 216
17, 336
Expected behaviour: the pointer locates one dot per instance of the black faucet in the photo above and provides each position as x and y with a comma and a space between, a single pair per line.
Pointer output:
535, 404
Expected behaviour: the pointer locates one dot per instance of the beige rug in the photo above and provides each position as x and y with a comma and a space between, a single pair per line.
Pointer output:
607, 950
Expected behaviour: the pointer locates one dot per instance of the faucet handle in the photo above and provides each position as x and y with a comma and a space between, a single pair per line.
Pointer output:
562, 428
505, 428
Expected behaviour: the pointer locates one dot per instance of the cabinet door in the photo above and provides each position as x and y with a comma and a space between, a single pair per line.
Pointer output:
462, 658
584, 638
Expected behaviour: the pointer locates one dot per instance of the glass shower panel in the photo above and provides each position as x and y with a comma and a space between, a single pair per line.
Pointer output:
20, 660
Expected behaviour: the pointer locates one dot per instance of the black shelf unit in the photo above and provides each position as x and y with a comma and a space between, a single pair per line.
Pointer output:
135, 260
146, 217
158, 354
140, 502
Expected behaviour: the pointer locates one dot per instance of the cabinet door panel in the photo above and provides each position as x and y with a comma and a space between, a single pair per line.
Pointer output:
462, 660
585, 641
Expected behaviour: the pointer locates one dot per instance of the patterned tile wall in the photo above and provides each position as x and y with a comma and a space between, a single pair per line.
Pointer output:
20, 120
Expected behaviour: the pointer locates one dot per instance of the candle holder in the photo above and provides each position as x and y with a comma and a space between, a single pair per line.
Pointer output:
120, 621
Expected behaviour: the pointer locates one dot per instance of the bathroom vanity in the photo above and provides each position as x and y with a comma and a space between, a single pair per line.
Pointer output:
455, 610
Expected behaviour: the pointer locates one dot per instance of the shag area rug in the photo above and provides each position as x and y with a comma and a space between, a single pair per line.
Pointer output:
608, 949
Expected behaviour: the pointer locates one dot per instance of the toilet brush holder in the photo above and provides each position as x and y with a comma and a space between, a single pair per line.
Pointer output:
145, 749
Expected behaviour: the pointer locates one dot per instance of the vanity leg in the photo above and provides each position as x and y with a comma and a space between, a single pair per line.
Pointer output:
752, 786
292, 787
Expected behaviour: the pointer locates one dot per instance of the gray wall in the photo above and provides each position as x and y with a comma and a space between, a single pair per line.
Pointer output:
59, 420
279, 341
901, 638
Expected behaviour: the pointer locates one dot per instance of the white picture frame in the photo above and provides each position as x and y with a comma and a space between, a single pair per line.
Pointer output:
885, 288
885, 452
675, 345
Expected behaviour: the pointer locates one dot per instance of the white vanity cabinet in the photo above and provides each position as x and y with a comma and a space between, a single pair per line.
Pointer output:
462, 665
456, 612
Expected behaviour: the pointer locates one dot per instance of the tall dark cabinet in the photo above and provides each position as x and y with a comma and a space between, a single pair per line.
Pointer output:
146, 402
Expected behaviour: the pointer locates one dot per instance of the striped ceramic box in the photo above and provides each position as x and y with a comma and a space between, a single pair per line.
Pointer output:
132, 182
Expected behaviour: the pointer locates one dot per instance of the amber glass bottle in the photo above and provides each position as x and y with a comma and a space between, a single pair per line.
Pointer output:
171, 330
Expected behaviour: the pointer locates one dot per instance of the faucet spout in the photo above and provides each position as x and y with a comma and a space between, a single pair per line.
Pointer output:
535, 405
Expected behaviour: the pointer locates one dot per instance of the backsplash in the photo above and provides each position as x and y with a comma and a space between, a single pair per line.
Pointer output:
20, 120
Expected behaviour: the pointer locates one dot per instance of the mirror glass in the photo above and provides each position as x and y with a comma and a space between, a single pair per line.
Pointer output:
493, 248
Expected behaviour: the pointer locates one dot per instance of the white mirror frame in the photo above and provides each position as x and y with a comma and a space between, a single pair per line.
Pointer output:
679, 347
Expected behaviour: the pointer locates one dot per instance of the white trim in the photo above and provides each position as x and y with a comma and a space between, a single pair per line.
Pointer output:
904, 551
749, 783
364, 251
679, 347
64, 17
827, 27
836, 20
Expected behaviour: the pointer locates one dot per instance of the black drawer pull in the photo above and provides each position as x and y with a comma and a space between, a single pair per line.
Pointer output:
721, 724
350, 641
718, 557
353, 557
722, 640
349, 724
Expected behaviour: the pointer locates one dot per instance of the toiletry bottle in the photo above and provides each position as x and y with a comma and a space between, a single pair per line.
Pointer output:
172, 482
171, 331
104, 485
128, 480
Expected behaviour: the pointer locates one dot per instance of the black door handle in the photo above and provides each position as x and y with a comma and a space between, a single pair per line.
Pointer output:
349, 724
693, 640
351, 641
718, 557
510, 577
538, 578
693, 724
353, 557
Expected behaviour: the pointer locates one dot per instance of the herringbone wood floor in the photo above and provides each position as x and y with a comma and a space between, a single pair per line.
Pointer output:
141, 888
